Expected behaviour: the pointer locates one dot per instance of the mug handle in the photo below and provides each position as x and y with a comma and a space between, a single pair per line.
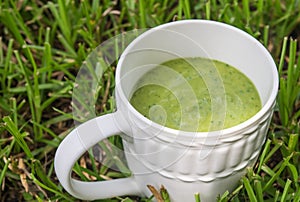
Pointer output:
73, 147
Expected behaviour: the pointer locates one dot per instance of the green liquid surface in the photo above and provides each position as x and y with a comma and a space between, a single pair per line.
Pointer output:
196, 94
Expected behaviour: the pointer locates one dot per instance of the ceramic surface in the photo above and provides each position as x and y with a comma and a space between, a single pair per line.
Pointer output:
184, 162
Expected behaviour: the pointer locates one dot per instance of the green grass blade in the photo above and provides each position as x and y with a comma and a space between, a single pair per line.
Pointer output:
13, 130
276, 196
246, 9
20, 22
276, 147
142, 14
285, 191
266, 35
282, 102
294, 173
260, 6
32, 94
224, 197
6, 70
297, 196
14, 110
272, 172
40, 173
35, 87
275, 177
293, 141
249, 190
1, 51
47, 60
180, 9
290, 76
61, 17
207, 10
164, 194
187, 9
3, 172
263, 154
283, 52
197, 197
258, 190
7, 19
58, 193
67, 45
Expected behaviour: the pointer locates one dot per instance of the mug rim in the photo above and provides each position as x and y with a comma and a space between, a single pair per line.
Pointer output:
269, 104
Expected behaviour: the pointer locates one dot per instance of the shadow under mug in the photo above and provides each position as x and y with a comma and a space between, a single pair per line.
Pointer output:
186, 163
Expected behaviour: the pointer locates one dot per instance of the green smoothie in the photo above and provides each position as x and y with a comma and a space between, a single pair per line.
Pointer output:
196, 94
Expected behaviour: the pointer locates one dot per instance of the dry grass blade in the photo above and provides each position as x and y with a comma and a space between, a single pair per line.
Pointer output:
155, 193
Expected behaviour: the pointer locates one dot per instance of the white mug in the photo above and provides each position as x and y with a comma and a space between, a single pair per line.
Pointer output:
185, 163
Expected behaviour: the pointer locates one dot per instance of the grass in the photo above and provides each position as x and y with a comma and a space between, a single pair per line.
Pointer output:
42, 46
